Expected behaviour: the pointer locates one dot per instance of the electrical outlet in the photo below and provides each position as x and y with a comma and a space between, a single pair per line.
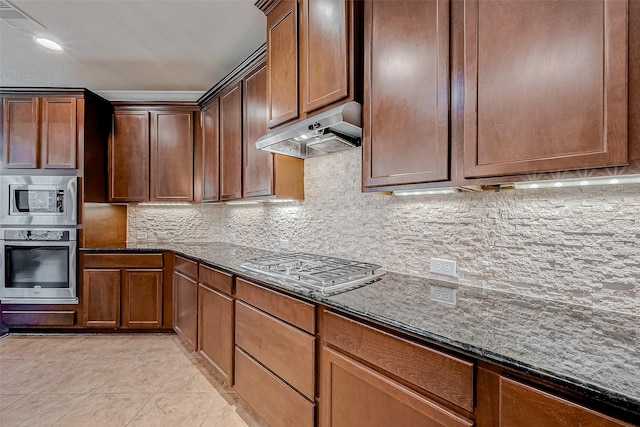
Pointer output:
443, 294
162, 235
283, 244
141, 235
443, 266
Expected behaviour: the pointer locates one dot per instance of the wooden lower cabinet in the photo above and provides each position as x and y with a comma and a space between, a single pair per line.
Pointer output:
286, 351
525, 406
38, 318
185, 309
355, 395
101, 295
142, 298
275, 366
122, 298
215, 330
122, 290
275, 401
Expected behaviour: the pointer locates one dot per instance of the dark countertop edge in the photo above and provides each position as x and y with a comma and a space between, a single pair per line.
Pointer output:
611, 398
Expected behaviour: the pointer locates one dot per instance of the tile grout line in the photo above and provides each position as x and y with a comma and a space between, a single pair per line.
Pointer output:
151, 396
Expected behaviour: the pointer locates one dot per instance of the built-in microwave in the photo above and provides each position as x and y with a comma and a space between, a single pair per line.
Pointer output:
38, 200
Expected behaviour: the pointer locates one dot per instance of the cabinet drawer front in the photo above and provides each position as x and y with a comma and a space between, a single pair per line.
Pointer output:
438, 373
285, 350
38, 318
216, 279
123, 260
525, 406
291, 310
276, 402
186, 267
354, 395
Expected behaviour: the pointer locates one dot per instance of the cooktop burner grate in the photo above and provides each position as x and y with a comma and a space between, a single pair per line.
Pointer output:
317, 272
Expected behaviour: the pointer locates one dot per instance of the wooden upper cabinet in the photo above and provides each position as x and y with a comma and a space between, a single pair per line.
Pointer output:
171, 143
210, 151
282, 63
406, 92
231, 143
21, 117
325, 33
312, 59
41, 133
545, 86
129, 157
59, 133
258, 164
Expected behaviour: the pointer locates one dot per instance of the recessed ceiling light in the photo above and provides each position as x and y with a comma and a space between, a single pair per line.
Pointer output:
49, 44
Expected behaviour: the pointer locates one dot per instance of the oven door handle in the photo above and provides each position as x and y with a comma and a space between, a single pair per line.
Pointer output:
36, 243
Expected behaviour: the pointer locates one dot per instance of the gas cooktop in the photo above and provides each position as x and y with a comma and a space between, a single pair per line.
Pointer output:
323, 273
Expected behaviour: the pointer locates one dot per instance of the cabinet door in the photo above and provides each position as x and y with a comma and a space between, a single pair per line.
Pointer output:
21, 117
258, 164
231, 143
101, 295
210, 151
354, 395
545, 86
59, 133
215, 330
524, 406
171, 142
282, 63
142, 299
129, 157
185, 310
405, 111
324, 52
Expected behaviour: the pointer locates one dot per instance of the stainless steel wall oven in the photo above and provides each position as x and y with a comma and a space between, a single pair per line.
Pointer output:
39, 266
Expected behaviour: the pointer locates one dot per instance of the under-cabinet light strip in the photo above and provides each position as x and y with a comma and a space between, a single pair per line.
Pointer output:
449, 190
281, 200
164, 204
244, 202
580, 182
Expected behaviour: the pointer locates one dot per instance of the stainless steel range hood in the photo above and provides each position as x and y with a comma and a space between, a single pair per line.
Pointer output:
333, 130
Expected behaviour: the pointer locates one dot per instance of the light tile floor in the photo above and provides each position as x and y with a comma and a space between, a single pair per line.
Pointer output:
112, 380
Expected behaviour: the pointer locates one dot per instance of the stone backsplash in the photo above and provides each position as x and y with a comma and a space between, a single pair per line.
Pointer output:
575, 245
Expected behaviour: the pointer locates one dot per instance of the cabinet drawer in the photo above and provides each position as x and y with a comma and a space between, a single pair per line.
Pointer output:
285, 350
291, 310
441, 374
38, 318
355, 395
187, 267
123, 260
525, 406
275, 401
216, 279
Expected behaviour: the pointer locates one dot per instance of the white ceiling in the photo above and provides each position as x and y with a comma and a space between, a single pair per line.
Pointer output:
131, 49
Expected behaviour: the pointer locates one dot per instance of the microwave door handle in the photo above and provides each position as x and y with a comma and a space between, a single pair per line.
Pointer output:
73, 202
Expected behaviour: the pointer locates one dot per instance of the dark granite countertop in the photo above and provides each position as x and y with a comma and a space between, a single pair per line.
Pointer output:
594, 352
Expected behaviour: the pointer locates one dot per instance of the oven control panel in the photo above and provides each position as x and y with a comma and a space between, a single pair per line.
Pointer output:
38, 235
